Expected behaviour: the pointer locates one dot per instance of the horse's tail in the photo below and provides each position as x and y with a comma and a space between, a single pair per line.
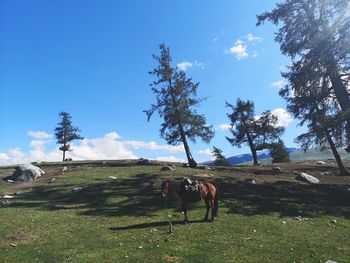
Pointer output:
216, 202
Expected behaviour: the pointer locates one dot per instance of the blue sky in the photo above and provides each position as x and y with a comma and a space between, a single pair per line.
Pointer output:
91, 58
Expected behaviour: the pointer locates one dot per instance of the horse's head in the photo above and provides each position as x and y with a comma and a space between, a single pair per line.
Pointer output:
165, 188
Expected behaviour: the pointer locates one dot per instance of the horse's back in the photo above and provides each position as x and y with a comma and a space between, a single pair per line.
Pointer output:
190, 192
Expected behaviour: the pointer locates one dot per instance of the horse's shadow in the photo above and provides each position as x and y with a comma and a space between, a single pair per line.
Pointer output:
153, 224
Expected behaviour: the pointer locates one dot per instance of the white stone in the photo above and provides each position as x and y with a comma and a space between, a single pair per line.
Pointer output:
77, 189
167, 168
307, 178
277, 169
8, 197
26, 172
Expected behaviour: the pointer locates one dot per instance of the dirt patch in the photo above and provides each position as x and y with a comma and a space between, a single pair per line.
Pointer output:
170, 258
20, 237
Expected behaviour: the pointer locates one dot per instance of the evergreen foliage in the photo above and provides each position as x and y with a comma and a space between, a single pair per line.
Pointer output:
279, 152
258, 132
316, 35
65, 133
176, 98
220, 159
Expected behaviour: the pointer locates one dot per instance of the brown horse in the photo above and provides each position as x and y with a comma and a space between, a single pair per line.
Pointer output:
206, 190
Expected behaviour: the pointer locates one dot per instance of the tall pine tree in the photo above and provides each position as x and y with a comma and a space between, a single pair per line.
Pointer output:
65, 133
258, 132
316, 35
176, 97
279, 153
220, 159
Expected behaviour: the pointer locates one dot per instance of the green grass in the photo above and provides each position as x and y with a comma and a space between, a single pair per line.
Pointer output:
125, 220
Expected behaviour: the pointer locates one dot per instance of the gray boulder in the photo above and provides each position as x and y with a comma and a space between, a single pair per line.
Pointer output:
26, 172
277, 170
307, 178
167, 168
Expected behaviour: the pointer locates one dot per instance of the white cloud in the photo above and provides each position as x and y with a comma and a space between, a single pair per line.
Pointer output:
4, 156
106, 147
154, 146
284, 118
112, 136
252, 38
13, 156
239, 50
205, 152
185, 65
109, 146
278, 84
170, 159
224, 127
38, 144
39, 135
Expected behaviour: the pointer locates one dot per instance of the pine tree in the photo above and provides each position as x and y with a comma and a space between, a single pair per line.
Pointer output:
220, 159
325, 130
258, 132
65, 133
279, 153
316, 35
176, 97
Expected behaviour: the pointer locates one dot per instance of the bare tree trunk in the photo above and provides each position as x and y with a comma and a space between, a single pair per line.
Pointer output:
342, 95
253, 150
191, 162
342, 168
64, 156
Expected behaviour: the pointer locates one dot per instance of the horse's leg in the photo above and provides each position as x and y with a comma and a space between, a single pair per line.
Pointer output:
212, 210
208, 208
184, 209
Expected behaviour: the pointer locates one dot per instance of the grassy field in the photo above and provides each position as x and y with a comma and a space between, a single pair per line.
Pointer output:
125, 220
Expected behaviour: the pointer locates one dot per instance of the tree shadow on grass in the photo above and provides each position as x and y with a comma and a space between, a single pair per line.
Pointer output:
134, 196
139, 195
285, 198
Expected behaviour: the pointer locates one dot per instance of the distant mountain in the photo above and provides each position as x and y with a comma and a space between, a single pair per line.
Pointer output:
247, 157
296, 155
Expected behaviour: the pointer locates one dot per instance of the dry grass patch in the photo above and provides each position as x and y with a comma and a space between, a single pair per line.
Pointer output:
170, 258
19, 237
